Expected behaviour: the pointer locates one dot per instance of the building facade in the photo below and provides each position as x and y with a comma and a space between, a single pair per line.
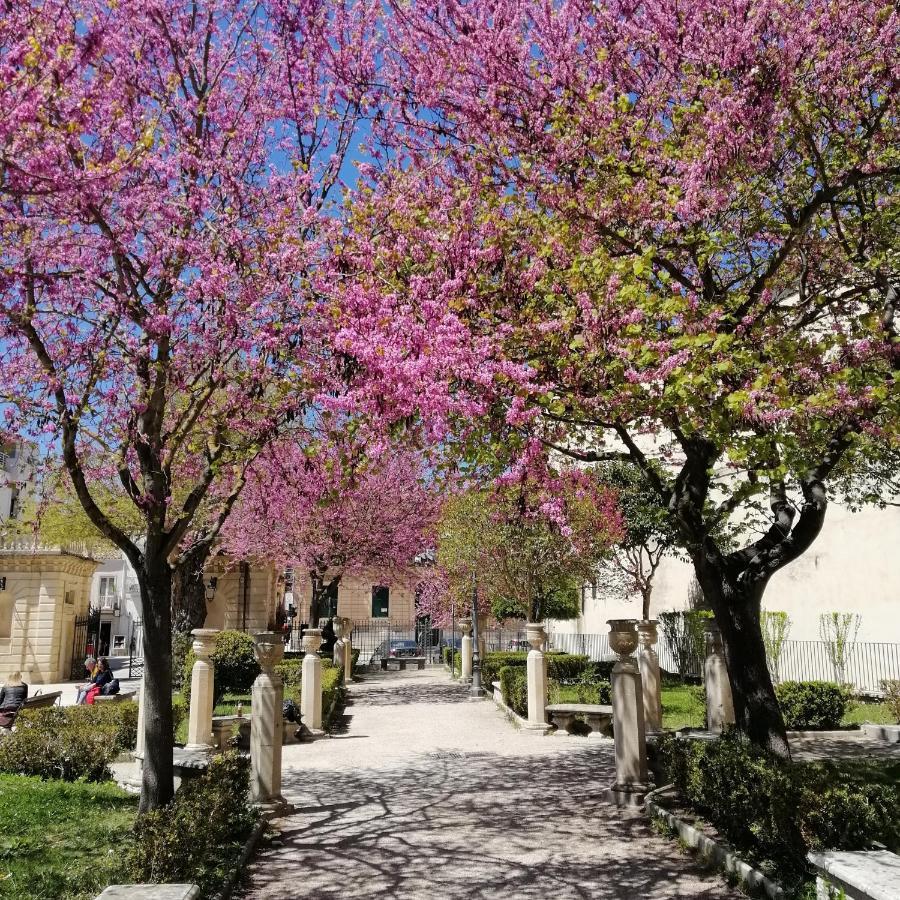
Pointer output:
44, 596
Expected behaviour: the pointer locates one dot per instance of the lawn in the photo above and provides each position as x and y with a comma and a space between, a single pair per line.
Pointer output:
683, 707
60, 840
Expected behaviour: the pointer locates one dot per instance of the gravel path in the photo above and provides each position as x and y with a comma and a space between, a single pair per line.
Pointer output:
423, 793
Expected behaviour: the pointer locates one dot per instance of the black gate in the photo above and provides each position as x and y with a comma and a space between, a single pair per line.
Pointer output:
136, 649
79, 647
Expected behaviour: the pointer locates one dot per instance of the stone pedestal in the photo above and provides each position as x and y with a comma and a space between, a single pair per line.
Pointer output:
632, 779
200, 735
538, 683
311, 682
266, 724
466, 650
719, 704
348, 651
648, 664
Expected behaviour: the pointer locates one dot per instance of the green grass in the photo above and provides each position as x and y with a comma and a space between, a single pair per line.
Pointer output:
682, 706
858, 712
60, 840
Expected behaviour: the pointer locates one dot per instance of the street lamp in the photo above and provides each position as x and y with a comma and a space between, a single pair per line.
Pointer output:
210, 589
475, 689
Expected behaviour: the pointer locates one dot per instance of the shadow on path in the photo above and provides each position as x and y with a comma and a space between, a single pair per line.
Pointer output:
471, 825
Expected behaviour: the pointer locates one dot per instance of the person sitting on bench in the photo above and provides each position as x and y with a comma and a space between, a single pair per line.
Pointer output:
91, 667
12, 695
102, 677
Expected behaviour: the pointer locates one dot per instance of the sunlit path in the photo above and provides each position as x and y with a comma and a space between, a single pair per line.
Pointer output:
424, 793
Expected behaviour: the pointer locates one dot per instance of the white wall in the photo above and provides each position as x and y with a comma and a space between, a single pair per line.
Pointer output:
854, 566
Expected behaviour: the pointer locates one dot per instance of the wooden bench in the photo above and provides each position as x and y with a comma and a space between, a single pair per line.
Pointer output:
598, 718
861, 874
402, 662
40, 700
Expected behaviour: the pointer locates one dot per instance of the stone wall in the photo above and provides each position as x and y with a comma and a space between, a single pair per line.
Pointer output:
44, 592
227, 609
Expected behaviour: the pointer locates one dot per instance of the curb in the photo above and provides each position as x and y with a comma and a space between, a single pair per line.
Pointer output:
516, 719
249, 846
720, 854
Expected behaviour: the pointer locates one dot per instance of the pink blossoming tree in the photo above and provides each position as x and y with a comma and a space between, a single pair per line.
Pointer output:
656, 232
165, 173
336, 506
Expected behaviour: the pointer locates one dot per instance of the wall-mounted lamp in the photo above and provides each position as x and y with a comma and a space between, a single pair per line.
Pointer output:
211, 586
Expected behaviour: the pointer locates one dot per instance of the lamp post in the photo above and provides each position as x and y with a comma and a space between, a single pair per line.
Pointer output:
475, 689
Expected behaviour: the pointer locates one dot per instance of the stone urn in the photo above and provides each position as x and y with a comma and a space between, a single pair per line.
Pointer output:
338, 625
714, 645
268, 648
623, 636
535, 634
465, 626
312, 640
648, 633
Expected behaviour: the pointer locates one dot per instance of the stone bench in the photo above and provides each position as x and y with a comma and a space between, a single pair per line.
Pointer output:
598, 718
859, 875
150, 892
403, 661
121, 697
185, 763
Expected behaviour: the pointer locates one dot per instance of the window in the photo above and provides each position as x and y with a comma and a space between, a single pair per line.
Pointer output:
14, 504
331, 600
107, 591
380, 601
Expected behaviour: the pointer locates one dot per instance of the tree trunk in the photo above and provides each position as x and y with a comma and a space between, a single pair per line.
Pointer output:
157, 787
189, 591
646, 593
737, 612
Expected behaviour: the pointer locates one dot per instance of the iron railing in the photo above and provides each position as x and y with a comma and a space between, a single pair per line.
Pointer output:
866, 664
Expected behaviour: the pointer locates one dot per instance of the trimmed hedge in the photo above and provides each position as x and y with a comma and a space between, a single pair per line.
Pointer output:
813, 705
560, 666
772, 809
514, 689
198, 837
235, 663
71, 742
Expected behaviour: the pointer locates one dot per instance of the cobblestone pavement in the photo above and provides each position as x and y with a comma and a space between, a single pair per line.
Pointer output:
423, 793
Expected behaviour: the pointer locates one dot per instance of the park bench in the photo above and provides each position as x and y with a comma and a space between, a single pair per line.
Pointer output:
860, 875
121, 697
41, 700
598, 718
402, 661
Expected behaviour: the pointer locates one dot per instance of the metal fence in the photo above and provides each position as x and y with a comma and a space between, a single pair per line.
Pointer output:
373, 639
866, 665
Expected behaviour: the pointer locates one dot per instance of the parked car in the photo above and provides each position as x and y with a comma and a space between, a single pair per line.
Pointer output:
400, 648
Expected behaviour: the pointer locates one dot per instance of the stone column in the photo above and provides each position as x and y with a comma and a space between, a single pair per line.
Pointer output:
465, 650
632, 780
266, 728
348, 651
536, 672
648, 663
337, 656
311, 681
719, 705
200, 735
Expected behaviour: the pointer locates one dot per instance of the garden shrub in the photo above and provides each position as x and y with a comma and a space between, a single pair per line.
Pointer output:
199, 835
235, 663
561, 666
588, 691
181, 647
514, 689
69, 742
814, 705
892, 697
775, 810
333, 691
291, 671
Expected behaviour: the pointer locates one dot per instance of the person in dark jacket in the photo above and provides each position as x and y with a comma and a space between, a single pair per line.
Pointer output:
102, 677
12, 695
